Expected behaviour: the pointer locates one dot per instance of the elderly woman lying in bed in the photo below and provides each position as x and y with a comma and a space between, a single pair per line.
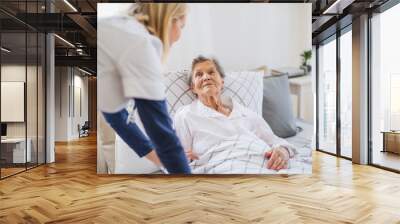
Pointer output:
222, 136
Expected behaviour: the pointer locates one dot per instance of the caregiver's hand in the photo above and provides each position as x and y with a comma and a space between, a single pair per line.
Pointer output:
191, 155
152, 156
278, 158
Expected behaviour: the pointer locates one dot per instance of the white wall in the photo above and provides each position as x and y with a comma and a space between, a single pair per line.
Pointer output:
245, 36
111, 9
68, 83
241, 36
17, 73
79, 117
33, 126
61, 103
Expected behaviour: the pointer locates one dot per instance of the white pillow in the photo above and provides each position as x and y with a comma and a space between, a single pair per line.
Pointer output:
246, 87
177, 91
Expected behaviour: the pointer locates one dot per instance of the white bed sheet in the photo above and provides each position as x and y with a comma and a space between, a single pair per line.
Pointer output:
128, 163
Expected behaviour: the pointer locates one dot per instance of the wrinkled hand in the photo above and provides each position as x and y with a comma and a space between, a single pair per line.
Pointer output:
278, 158
191, 155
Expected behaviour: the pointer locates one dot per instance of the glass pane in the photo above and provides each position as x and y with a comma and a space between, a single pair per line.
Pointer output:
386, 89
327, 97
13, 87
346, 94
41, 98
31, 97
31, 86
394, 101
23, 88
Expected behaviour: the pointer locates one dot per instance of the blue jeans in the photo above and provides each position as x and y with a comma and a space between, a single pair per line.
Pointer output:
158, 126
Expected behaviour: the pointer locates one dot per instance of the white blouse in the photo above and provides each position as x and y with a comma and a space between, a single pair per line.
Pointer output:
128, 63
200, 127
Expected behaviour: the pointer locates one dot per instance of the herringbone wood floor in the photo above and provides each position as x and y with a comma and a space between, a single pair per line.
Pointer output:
70, 191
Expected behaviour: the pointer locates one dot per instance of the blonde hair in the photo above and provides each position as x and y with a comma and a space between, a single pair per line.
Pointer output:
158, 17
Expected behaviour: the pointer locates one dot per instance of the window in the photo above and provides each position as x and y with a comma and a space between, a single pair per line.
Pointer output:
334, 138
327, 97
385, 86
394, 101
346, 94
22, 78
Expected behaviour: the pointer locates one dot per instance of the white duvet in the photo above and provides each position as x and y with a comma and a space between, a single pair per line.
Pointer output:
242, 154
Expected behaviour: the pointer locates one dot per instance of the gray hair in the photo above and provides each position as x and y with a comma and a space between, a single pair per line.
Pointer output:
200, 59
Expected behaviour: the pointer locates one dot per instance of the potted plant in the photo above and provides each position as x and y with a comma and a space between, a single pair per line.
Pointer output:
306, 56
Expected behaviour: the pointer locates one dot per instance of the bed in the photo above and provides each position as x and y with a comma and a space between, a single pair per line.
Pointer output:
121, 159
304, 142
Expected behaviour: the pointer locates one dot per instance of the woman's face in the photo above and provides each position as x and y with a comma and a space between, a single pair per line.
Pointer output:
176, 29
206, 80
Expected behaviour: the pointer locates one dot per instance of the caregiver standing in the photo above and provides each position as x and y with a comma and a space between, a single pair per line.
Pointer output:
130, 53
